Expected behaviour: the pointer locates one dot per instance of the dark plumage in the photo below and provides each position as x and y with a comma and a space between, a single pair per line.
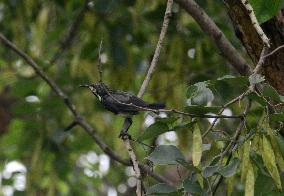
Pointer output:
115, 101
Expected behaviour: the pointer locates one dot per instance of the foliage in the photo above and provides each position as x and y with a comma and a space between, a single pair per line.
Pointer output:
71, 163
265, 10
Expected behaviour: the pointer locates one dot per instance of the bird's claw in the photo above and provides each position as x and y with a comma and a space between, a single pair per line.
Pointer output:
124, 135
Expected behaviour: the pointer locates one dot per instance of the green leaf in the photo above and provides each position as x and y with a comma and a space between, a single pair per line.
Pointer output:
191, 91
278, 155
281, 98
280, 142
165, 155
203, 97
250, 180
200, 180
228, 87
199, 109
215, 160
230, 169
188, 166
269, 91
242, 80
24, 87
254, 97
161, 188
168, 121
255, 79
181, 126
265, 10
245, 160
196, 145
200, 94
25, 108
277, 117
154, 130
263, 184
210, 171
270, 162
257, 160
191, 186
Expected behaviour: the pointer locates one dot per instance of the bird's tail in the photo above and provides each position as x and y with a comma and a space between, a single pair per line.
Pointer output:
157, 106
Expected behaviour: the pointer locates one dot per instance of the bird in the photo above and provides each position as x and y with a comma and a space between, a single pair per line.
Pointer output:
120, 102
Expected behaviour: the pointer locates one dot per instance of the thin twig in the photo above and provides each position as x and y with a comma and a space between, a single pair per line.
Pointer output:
238, 98
77, 117
133, 157
69, 127
159, 45
260, 62
251, 88
228, 149
209, 187
142, 143
178, 172
207, 24
255, 23
148, 76
275, 50
67, 39
100, 67
39, 72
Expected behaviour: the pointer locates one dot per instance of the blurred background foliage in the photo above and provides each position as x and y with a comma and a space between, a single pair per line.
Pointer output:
32, 117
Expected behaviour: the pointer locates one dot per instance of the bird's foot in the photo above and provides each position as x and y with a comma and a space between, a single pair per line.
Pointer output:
129, 119
124, 135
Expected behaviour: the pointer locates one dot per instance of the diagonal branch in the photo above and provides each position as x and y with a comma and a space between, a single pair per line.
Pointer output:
260, 63
100, 68
207, 24
77, 117
230, 147
274, 51
156, 56
127, 124
255, 23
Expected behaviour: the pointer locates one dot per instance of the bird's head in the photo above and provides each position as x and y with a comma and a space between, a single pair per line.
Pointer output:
98, 89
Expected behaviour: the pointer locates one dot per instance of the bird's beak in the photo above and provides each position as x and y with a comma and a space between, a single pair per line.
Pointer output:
88, 86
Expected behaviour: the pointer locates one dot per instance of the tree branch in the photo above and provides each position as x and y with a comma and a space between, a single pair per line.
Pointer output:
238, 98
207, 24
274, 51
157, 53
251, 88
262, 57
127, 124
255, 23
77, 117
100, 68
230, 147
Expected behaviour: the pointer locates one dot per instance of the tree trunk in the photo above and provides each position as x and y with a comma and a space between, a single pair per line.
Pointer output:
273, 69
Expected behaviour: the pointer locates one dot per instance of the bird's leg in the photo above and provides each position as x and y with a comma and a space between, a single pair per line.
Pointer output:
129, 119
124, 132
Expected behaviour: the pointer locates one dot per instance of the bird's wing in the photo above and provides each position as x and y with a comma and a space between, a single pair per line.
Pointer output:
129, 98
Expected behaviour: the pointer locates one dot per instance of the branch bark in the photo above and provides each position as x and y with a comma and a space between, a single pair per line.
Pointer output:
207, 25
126, 124
273, 68
78, 119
